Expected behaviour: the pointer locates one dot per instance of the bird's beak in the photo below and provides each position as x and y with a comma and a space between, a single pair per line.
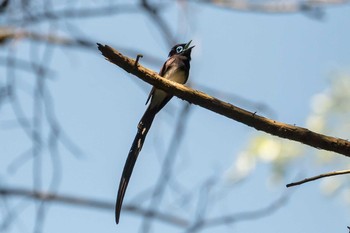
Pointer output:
187, 46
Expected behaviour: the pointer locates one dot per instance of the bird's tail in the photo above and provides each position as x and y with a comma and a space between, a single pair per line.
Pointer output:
142, 130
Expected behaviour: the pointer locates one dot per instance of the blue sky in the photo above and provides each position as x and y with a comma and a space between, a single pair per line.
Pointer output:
279, 60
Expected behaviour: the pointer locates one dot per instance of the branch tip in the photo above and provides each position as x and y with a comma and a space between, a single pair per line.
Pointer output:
328, 174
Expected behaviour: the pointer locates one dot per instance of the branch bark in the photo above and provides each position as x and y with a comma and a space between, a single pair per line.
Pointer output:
270, 126
328, 174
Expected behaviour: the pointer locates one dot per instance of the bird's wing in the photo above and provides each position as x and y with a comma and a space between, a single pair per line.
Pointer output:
162, 71
172, 70
150, 95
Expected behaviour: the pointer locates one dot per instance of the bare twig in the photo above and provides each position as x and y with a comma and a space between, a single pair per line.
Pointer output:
138, 58
248, 215
83, 12
159, 21
163, 217
7, 33
167, 166
24, 65
13, 33
270, 126
311, 7
91, 203
328, 174
202, 206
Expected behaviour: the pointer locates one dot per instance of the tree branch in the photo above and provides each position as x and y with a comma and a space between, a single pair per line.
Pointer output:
328, 174
313, 8
85, 202
270, 126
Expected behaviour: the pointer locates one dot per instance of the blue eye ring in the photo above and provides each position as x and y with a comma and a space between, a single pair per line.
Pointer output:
179, 49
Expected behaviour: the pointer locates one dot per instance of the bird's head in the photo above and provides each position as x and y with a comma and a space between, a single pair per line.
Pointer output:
181, 49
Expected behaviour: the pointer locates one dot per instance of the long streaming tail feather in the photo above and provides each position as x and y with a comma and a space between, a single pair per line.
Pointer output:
142, 130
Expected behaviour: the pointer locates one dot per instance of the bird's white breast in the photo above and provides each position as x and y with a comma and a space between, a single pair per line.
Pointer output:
174, 74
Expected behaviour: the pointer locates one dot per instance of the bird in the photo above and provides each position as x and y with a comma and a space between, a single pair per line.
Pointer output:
176, 68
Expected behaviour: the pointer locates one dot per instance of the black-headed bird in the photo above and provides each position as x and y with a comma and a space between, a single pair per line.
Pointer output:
176, 69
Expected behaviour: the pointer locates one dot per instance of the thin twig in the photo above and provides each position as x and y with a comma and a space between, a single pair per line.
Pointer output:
158, 21
276, 7
14, 33
328, 174
249, 215
138, 58
66, 13
92, 203
167, 166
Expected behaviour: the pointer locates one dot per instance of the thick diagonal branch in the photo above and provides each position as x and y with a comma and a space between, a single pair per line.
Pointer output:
270, 126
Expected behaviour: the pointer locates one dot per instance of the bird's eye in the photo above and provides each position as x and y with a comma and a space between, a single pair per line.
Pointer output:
179, 49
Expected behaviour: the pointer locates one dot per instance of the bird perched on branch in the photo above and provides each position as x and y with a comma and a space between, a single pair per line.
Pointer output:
176, 69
